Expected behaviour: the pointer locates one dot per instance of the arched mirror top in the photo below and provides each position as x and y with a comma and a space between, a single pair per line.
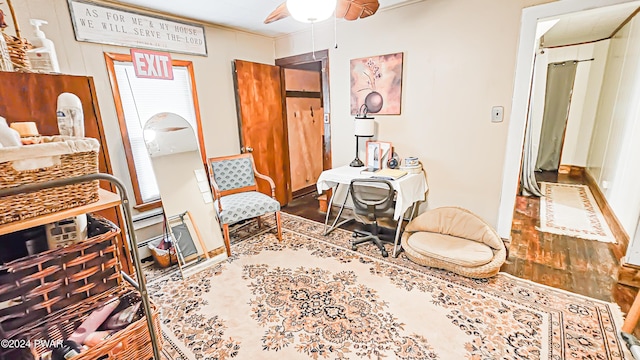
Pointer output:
169, 133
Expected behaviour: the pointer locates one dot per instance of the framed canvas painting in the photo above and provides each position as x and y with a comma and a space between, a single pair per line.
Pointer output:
374, 155
376, 85
378, 152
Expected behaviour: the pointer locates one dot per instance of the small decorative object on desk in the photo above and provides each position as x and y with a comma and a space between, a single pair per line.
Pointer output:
411, 162
394, 161
411, 165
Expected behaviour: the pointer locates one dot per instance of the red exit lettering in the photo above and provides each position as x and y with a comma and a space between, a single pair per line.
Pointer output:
152, 64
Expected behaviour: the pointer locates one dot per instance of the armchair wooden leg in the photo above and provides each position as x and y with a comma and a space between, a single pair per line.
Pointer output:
259, 222
279, 225
227, 241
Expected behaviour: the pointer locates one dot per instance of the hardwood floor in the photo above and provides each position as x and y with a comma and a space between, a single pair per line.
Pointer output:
580, 266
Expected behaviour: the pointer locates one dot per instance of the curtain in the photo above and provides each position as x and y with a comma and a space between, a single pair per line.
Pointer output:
528, 176
560, 79
528, 184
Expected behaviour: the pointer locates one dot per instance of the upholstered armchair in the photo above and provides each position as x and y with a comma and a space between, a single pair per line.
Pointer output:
454, 239
235, 190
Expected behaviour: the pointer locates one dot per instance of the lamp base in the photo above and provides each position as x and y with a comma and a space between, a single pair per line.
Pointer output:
356, 163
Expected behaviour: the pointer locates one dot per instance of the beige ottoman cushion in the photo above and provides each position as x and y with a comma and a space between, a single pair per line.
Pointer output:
449, 248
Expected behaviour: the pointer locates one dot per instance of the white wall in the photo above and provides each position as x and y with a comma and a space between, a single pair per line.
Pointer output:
458, 63
614, 156
582, 110
213, 74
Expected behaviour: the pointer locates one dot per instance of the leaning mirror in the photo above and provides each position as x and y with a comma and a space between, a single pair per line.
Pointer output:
190, 226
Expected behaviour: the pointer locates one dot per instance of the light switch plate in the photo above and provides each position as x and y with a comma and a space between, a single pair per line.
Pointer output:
497, 114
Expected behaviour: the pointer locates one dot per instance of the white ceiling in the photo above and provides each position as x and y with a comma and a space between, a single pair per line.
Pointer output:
589, 25
240, 14
585, 26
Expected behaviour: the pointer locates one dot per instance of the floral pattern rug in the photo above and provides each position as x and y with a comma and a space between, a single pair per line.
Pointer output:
571, 209
312, 297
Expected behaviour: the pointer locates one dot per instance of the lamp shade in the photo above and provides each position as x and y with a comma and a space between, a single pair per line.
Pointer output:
311, 10
364, 127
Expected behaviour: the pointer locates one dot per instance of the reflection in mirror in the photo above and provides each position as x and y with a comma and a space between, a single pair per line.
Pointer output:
184, 190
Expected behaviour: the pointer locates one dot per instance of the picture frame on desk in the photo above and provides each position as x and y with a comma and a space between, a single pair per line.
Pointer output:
378, 153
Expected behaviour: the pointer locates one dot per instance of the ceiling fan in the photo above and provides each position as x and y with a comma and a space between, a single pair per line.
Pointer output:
318, 10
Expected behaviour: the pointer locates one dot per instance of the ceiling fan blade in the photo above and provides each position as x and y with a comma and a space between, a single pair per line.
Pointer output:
356, 9
279, 13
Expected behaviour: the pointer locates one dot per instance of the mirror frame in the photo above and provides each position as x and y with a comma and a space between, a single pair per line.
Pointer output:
110, 59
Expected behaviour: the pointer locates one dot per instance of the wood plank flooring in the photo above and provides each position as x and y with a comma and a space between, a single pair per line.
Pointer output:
581, 266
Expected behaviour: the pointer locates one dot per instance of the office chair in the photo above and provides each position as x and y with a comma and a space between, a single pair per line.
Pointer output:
372, 200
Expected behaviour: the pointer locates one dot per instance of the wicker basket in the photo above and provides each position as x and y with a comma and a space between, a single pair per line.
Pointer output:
56, 157
163, 258
18, 48
17, 45
59, 288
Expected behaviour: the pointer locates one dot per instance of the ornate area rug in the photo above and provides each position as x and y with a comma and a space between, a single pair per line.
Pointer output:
311, 297
569, 209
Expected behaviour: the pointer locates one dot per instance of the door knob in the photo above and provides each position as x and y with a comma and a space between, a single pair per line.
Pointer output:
247, 149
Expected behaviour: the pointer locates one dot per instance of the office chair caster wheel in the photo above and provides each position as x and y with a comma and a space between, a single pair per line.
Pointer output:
384, 253
353, 247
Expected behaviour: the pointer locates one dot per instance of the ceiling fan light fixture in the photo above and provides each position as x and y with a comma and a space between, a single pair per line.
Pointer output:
310, 11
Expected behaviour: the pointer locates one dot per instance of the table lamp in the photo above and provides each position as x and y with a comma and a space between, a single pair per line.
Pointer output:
364, 126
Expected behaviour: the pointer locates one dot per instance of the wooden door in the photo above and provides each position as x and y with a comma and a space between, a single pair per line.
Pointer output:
262, 123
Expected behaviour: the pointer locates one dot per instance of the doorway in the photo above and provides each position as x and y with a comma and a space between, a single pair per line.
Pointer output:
527, 48
306, 84
296, 92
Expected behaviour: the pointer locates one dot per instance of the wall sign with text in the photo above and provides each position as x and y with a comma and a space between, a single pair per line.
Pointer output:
152, 64
108, 25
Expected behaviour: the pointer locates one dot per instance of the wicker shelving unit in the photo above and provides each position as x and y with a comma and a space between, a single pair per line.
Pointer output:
107, 200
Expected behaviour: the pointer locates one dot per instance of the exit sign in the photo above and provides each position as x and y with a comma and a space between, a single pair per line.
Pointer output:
152, 64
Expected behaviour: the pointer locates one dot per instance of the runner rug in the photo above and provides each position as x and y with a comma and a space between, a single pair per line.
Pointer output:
569, 209
311, 297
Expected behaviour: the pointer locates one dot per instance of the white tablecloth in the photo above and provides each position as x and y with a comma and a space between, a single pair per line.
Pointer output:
409, 188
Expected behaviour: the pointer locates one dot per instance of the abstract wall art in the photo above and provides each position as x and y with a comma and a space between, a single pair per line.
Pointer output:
376, 82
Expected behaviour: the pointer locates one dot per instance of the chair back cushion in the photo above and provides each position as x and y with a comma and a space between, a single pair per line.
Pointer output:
372, 197
232, 174
456, 222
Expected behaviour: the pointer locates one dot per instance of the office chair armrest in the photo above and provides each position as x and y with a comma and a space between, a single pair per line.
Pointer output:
269, 180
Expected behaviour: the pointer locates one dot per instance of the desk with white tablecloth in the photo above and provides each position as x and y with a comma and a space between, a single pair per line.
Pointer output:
410, 189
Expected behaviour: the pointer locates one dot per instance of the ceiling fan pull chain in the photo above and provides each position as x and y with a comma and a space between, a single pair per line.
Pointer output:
335, 29
313, 42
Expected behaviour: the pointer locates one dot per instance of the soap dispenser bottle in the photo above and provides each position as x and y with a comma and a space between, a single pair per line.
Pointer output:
43, 57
